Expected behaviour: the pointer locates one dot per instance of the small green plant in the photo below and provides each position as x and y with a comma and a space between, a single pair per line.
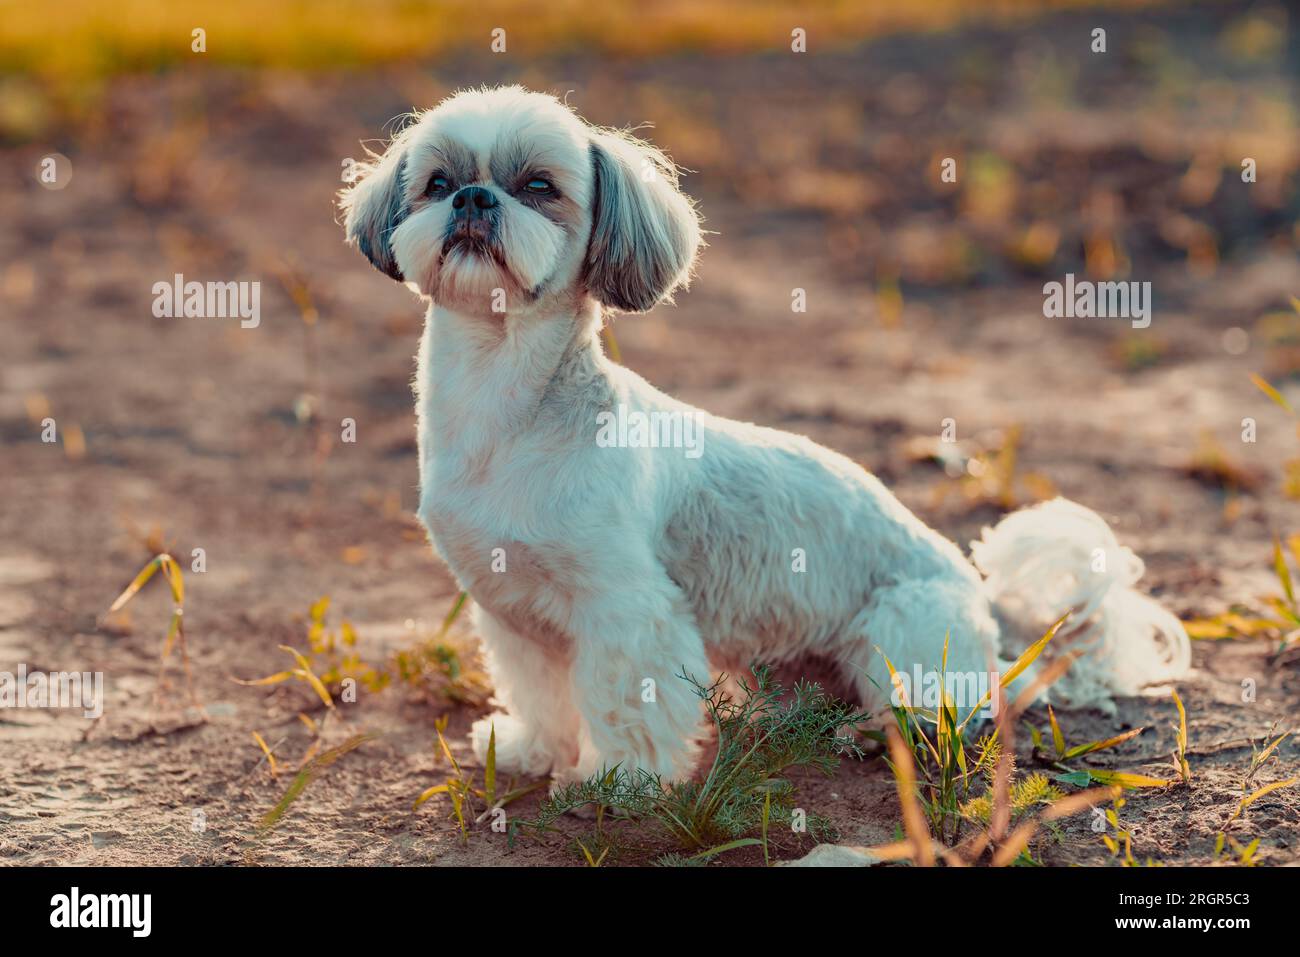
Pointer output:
268, 752
1279, 620
1229, 850
1026, 794
1259, 758
1226, 847
1025, 806
594, 861
1179, 756
1255, 796
175, 636
459, 786
303, 673
760, 738
1119, 839
438, 668
336, 651
935, 740
443, 667
331, 653
935, 776
1082, 777
310, 770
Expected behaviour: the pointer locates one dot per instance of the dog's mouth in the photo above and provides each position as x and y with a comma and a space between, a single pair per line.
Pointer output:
466, 243
474, 237
471, 245
460, 243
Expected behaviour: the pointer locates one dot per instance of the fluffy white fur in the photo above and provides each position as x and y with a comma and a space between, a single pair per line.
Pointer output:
600, 572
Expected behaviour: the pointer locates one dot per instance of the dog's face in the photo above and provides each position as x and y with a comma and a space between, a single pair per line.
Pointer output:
499, 199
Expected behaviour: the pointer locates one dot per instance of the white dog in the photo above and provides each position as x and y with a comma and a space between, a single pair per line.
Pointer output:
604, 563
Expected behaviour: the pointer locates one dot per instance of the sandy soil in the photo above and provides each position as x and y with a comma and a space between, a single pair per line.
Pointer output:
814, 173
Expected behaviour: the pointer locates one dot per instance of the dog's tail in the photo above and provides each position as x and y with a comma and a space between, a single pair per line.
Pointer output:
1044, 561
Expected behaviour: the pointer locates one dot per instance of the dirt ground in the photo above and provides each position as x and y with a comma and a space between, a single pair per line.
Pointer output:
820, 173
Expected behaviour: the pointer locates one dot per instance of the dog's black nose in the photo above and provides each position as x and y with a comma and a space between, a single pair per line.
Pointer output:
473, 201
472, 218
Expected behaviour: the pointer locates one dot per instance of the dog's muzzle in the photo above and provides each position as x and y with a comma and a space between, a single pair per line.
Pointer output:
474, 215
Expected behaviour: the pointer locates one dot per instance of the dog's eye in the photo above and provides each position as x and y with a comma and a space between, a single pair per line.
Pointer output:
537, 185
438, 184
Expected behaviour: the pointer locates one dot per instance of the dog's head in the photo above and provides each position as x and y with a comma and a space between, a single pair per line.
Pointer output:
498, 198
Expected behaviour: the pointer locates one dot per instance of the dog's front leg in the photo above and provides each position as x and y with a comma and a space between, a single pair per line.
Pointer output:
637, 710
538, 728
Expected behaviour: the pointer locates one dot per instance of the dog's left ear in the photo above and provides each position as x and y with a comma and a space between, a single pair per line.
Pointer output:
376, 205
645, 232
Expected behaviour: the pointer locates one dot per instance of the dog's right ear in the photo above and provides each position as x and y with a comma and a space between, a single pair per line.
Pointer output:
375, 205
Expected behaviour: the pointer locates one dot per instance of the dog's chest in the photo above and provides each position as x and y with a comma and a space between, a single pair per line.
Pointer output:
489, 519
497, 473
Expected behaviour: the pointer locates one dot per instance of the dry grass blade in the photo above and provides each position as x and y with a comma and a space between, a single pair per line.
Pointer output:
490, 769
1000, 815
1027, 658
896, 851
274, 679
440, 726
453, 615
304, 671
176, 626
973, 848
430, 792
1283, 572
1010, 849
721, 848
593, 861
1266, 789
1247, 858
1074, 803
1257, 760
1180, 747
172, 572
1046, 678
1126, 780
1081, 749
1058, 739
306, 776
913, 818
1272, 393
901, 689
138, 582
270, 758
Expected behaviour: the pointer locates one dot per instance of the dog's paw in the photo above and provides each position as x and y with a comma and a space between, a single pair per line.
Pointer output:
517, 750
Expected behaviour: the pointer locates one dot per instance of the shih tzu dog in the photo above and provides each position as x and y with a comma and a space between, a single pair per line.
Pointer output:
603, 566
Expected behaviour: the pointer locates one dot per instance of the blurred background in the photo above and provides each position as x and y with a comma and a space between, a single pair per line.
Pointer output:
816, 170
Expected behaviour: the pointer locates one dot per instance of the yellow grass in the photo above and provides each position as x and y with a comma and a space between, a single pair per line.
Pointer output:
96, 38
